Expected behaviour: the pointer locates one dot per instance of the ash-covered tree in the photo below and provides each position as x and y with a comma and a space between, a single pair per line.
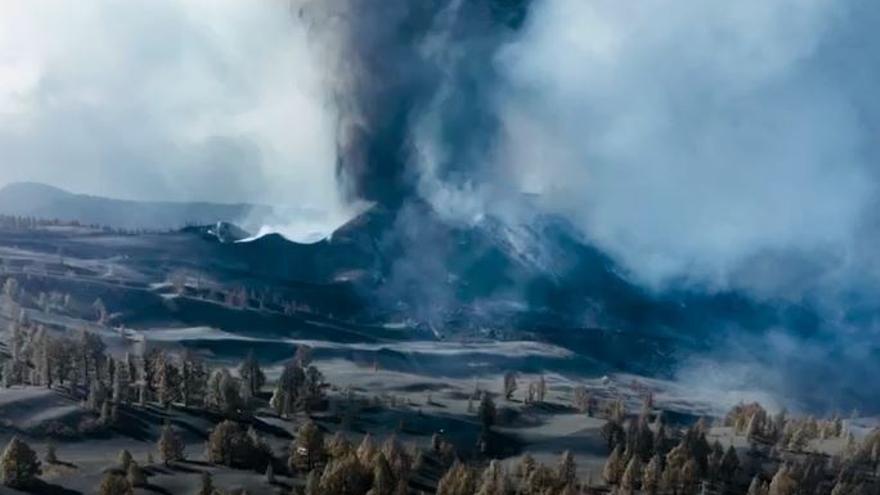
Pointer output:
313, 483
303, 356
223, 393
486, 411
206, 485
193, 379
367, 450
581, 399
567, 470
308, 446
346, 476
651, 475
115, 484
383, 479
124, 459
458, 480
632, 475
288, 389
494, 480
509, 385
170, 445
251, 374
122, 384
135, 475
614, 466
19, 465
166, 379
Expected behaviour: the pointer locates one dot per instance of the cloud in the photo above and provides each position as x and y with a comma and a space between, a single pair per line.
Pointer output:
166, 99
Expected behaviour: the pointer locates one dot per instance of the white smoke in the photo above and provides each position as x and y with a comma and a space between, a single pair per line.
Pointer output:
216, 100
685, 138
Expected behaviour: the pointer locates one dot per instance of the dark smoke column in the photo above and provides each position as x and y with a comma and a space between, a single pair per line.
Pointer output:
395, 61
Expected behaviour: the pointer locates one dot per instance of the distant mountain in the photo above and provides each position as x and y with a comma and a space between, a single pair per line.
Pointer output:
43, 201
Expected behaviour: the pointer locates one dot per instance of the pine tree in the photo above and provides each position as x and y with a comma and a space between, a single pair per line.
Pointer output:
567, 470
509, 385
270, 474
757, 487
651, 475
19, 465
170, 445
51, 454
115, 484
251, 374
124, 459
486, 411
310, 441
367, 450
614, 466
458, 480
313, 483
782, 483
383, 479
121, 384
207, 484
494, 480
135, 475
629, 482
729, 464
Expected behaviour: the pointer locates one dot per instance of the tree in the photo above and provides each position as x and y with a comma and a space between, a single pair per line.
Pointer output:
494, 480
193, 380
303, 356
51, 454
124, 459
223, 392
629, 482
170, 445
121, 384
339, 446
541, 389
614, 466
309, 444
251, 374
135, 475
383, 479
166, 377
757, 487
651, 476
367, 451
458, 480
509, 384
115, 484
313, 483
270, 474
346, 476
581, 399
729, 464
782, 483
207, 484
222, 443
486, 411
567, 470
19, 465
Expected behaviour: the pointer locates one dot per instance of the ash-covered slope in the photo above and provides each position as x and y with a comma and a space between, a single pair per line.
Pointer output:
486, 276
